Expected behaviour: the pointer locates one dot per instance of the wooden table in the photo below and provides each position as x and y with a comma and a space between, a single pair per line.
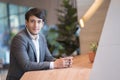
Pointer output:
82, 61
77, 72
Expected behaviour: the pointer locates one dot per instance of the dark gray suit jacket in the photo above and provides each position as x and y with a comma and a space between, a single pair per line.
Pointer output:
23, 58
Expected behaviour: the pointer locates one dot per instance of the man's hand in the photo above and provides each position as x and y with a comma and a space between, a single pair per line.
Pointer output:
68, 61
63, 62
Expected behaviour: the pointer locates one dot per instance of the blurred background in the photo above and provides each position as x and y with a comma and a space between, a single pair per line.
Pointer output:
62, 36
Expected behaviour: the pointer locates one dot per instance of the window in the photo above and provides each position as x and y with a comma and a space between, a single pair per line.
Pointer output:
11, 21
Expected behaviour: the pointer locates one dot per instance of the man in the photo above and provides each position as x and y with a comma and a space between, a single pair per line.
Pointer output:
29, 50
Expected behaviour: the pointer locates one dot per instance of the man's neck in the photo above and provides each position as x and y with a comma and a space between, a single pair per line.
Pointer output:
31, 35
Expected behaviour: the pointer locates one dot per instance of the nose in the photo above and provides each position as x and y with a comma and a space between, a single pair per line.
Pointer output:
35, 24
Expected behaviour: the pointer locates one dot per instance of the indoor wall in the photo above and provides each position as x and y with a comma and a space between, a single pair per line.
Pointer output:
93, 27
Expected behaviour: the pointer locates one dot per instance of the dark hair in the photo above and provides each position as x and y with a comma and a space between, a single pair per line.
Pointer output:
35, 12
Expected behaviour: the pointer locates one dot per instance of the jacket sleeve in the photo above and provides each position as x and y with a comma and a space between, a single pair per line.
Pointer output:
48, 55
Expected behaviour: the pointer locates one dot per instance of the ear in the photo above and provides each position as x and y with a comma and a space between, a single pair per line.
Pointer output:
26, 22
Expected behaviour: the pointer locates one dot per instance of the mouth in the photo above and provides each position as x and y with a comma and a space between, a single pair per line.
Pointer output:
36, 29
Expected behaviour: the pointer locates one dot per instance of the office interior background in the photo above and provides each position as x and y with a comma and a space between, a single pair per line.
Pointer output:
12, 19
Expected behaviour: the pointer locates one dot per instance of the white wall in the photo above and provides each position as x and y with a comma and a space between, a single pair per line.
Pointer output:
107, 61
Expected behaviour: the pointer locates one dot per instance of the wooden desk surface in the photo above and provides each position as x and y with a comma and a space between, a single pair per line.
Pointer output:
82, 61
79, 71
58, 74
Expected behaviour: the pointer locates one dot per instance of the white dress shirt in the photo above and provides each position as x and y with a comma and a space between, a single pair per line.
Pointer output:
36, 44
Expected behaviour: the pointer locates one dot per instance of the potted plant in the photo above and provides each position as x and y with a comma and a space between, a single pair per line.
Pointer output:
92, 53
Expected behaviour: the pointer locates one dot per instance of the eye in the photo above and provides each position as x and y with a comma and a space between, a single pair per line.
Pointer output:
32, 20
39, 21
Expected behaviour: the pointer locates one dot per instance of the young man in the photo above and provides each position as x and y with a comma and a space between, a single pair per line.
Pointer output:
29, 50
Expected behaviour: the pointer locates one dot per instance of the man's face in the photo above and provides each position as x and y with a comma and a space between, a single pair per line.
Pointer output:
34, 25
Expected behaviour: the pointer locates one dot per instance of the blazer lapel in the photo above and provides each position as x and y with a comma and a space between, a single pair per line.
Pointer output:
40, 49
31, 44
33, 47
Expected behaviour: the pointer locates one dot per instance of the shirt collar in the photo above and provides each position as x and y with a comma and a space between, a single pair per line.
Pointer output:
32, 35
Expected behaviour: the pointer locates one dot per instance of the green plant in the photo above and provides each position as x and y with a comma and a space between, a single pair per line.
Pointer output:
62, 39
93, 46
67, 27
54, 46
